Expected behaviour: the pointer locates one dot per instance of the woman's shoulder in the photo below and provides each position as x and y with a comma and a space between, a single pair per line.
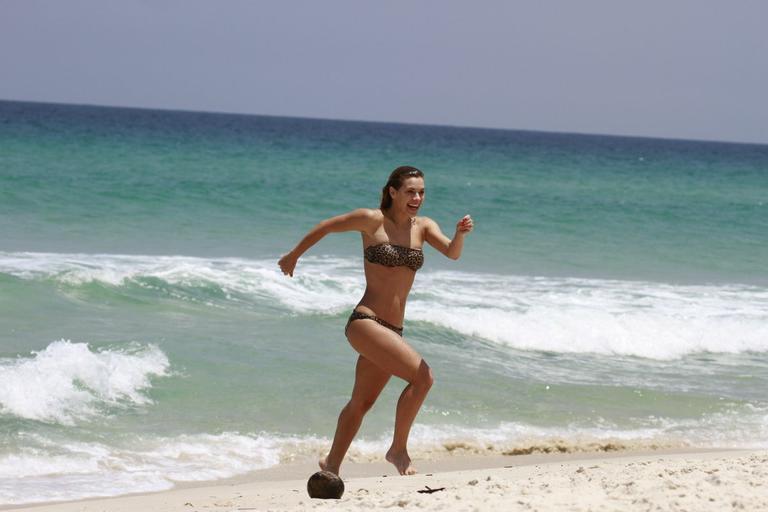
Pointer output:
367, 213
424, 222
375, 213
370, 218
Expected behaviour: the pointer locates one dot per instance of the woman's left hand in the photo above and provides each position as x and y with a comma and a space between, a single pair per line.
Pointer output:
465, 225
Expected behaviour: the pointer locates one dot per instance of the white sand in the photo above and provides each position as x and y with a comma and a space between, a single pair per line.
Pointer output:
690, 481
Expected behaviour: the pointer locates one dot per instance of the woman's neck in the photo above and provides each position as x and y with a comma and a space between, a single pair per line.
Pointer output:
399, 219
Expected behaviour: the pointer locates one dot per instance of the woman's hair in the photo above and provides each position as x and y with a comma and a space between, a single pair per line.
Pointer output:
396, 181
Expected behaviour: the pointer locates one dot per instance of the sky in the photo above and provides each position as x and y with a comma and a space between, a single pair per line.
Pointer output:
662, 68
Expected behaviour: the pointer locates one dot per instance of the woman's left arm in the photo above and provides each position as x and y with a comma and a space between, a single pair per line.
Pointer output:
451, 248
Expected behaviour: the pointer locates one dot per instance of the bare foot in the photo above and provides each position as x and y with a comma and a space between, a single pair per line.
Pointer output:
401, 461
323, 463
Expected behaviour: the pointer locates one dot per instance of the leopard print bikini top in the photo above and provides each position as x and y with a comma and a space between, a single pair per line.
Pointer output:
395, 256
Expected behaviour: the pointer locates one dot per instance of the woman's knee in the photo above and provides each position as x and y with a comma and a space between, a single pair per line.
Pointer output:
360, 405
424, 377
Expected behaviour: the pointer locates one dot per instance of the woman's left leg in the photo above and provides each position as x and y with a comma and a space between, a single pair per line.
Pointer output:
369, 381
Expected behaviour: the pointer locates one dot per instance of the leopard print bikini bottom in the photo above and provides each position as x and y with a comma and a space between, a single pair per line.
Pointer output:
357, 315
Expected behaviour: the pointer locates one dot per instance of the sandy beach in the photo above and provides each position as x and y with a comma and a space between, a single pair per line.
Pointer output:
689, 480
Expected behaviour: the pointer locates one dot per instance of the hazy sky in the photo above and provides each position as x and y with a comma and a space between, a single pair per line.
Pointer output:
669, 68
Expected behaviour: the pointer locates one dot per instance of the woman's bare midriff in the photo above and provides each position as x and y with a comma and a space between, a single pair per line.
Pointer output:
386, 292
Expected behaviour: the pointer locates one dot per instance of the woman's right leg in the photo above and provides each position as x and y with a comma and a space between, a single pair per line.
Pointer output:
392, 354
369, 381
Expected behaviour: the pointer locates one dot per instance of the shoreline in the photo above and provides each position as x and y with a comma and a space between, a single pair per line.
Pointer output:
495, 477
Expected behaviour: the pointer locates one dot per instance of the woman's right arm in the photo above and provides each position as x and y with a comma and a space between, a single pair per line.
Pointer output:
357, 220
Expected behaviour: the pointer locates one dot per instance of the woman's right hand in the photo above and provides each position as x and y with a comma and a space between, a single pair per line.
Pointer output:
288, 263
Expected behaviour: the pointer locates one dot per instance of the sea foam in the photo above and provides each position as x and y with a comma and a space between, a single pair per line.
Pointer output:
569, 315
55, 470
323, 285
69, 381
564, 315
49, 469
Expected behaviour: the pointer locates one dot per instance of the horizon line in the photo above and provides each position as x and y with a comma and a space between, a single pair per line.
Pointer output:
551, 132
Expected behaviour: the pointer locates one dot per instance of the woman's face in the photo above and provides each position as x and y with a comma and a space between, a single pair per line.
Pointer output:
409, 197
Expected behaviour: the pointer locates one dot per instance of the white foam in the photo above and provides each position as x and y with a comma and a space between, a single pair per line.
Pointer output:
68, 381
51, 469
322, 285
651, 320
66, 471
426, 440
739, 427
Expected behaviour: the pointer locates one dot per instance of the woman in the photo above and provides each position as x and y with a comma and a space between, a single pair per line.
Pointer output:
393, 236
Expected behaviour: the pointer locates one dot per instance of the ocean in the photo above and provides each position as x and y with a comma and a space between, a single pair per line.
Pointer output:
613, 295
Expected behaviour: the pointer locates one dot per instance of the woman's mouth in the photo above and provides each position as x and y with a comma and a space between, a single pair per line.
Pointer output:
413, 207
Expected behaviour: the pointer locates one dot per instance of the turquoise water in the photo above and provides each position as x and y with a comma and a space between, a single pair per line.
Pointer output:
613, 289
